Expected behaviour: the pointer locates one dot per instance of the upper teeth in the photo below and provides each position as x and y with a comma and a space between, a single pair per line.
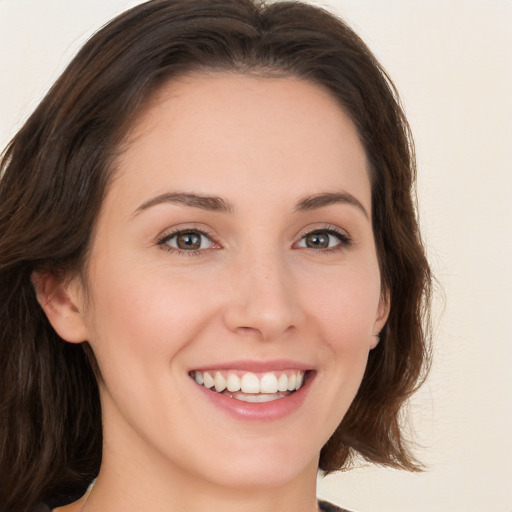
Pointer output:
248, 382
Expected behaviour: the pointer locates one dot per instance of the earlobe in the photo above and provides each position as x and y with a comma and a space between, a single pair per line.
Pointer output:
61, 303
381, 318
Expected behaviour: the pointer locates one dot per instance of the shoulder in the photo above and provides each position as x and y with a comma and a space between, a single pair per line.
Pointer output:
325, 506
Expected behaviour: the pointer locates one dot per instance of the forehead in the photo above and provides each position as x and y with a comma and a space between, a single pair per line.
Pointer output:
216, 131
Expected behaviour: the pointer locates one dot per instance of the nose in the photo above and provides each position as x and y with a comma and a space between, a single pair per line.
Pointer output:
264, 298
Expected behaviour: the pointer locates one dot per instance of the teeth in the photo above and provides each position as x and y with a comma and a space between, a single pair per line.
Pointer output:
220, 382
208, 380
300, 380
292, 380
233, 381
282, 383
259, 398
250, 383
269, 383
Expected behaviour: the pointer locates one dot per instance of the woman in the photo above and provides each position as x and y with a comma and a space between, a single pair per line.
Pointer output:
212, 280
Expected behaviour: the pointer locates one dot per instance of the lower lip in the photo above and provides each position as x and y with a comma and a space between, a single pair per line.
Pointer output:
263, 411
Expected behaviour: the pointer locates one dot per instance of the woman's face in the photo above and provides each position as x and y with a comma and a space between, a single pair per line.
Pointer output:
234, 246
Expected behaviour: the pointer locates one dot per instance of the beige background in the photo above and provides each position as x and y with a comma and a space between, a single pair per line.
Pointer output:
452, 62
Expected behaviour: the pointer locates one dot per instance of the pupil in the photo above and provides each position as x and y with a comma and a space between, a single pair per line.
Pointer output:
317, 240
189, 241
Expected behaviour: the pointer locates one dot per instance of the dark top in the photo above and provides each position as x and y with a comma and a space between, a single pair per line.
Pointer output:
324, 507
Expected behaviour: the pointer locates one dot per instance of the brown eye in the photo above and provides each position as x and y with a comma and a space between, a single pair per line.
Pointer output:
317, 240
324, 239
188, 241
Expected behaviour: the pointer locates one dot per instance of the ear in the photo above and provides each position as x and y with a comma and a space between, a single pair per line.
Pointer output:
61, 301
381, 318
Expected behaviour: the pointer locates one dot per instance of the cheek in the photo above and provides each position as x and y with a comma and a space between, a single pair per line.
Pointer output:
343, 313
346, 306
142, 323
144, 315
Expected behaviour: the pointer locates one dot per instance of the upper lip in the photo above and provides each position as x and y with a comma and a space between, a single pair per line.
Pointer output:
256, 365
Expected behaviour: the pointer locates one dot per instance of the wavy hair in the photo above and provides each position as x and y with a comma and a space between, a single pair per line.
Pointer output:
55, 173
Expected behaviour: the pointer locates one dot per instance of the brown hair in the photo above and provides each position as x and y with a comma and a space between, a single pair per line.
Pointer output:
57, 168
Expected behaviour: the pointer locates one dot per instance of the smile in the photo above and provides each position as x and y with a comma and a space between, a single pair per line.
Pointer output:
249, 386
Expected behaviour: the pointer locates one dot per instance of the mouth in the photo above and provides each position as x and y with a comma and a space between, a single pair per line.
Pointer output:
254, 387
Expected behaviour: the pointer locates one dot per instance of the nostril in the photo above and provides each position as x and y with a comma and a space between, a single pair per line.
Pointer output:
266, 313
248, 330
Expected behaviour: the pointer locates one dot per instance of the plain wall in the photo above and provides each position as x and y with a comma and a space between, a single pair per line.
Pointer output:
451, 61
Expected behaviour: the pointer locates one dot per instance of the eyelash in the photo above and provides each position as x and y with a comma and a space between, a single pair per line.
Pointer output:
344, 239
162, 241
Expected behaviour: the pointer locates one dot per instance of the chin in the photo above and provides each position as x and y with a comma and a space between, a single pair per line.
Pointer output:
263, 474
259, 466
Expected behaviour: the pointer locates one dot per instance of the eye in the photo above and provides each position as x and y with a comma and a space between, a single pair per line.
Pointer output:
187, 240
324, 239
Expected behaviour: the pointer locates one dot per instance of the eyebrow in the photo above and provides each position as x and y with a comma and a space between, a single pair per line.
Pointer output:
326, 199
209, 203
218, 204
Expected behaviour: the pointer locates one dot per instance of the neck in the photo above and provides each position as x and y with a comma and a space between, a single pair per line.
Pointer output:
141, 478
111, 494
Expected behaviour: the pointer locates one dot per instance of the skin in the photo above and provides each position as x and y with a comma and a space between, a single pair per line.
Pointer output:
254, 290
